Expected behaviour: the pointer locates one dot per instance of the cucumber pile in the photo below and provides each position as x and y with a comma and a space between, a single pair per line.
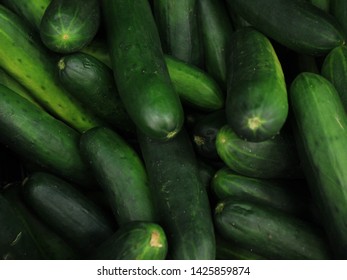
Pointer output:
173, 130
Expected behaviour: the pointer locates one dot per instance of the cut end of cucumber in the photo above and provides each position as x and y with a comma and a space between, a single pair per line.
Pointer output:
254, 123
61, 64
155, 240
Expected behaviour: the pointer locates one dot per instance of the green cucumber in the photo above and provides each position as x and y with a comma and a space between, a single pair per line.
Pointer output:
334, 69
31, 10
67, 26
178, 26
121, 174
99, 50
134, 241
38, 137
180, 196
322, 4
67, 211
216, 29
320, 130
24, 58
139, 68
338, 8
271, 159
269, 232
92, 82
257, 103
296, 24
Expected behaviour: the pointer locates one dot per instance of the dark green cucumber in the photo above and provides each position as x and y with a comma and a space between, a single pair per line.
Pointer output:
179, 31
99, 50
16, 242
40, 138
216, 29
134, 241
139, 68
334, 69
280, 194
269, 232
257, 104
24, 57
320, 130
194, 86
92, 82
67, 211
296, 24
272, 159
67, 26
121, 173
338, 8
322, 4
180, 196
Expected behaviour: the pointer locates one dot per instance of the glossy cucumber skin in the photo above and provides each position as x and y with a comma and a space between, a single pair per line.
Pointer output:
320, 122
40, 138
92, 82
121, 174
334, 69
67, 26
67, 211
23, 56
338, 8
178, 26
257, 103
297, 24
134, 241
180, 196
139, 68
269, 232
271, 159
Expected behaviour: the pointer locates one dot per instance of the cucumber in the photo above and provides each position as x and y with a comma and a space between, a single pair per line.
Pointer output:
99, 50
338, 8
31, 10
121, 174
139, 68
194, 86
216, 29
334, 69
134, 241
36, 136
269, 232
180, 196
67, 211
296, 24
271, 159
67, 26
24, 58
91, 82
322, 4
320, 122
257, 103
179, 30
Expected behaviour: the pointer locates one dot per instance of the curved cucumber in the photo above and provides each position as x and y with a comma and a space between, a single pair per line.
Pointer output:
257, 104
67, 26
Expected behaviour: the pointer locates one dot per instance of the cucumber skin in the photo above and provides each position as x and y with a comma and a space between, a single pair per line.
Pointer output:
269, 232
139, 68
320, 122
256, 87
338, 8
134, 241
115, 166
79, 20
40, 138
180, 196
80, 222
24, 57
297, 24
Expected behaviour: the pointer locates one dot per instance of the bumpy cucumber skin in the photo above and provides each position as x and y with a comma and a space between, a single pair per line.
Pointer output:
121, 174
24, 57
134, 241
67, 26
40, 138
257, 103
269, 232
139, 68
180, 196
297, 24
320, 129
